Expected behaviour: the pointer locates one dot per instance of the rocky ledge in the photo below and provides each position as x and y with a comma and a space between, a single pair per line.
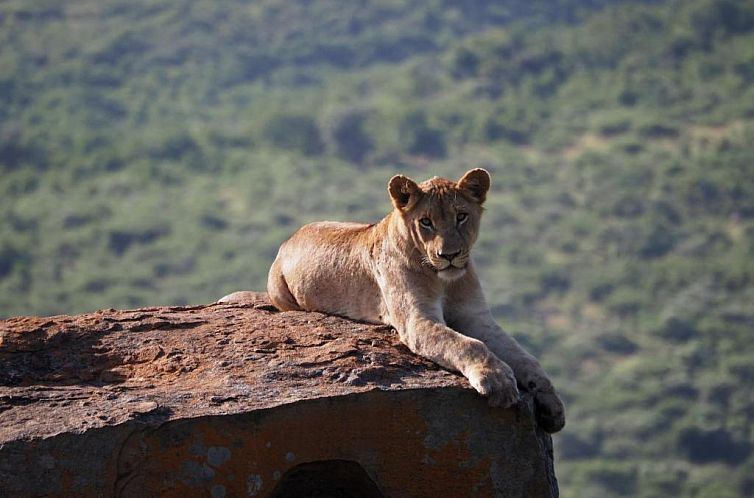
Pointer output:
238, 399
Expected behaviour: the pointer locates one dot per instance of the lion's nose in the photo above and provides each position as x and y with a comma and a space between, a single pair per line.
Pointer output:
447, 255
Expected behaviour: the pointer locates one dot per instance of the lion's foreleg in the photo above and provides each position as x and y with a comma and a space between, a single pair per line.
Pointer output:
529, 373
471, 357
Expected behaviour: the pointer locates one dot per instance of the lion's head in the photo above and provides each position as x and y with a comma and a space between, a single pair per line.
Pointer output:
442, 218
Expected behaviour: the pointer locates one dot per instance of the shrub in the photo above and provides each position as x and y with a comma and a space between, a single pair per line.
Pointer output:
294, 131
658, 242
712, 445
678, 329
347, 135
420, 138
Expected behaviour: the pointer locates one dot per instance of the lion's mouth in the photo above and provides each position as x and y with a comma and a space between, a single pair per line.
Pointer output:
451, 272
457, 264
445, 266
452, 267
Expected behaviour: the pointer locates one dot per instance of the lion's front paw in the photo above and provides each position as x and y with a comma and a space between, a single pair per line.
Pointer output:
495, 380
550, 411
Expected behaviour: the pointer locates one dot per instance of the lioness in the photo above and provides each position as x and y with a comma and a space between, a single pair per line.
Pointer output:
413, 271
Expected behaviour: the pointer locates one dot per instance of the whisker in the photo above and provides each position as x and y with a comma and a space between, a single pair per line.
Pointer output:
425, 261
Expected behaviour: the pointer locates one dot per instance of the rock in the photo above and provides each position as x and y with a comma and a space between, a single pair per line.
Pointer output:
237, 399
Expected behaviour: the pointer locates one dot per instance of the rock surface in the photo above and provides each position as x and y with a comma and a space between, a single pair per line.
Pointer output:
241, 400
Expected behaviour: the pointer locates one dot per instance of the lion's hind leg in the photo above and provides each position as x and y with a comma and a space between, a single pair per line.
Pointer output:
278, 290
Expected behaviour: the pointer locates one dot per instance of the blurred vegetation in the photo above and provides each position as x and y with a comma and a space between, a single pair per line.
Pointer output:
159, 152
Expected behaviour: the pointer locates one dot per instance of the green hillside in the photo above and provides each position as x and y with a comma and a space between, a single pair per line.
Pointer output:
159, 152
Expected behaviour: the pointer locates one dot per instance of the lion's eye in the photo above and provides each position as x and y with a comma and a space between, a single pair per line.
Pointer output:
461, 217
426, 222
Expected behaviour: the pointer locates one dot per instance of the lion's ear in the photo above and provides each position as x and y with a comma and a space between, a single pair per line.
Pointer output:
477, 183
404, 192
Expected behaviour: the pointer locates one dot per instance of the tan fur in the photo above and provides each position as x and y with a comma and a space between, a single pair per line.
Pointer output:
418, 279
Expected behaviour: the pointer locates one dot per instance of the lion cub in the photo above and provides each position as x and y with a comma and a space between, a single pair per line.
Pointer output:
413, 271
